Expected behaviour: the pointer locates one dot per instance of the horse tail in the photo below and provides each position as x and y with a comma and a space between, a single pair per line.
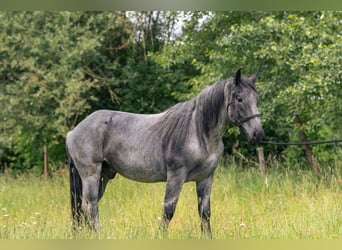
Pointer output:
75, 191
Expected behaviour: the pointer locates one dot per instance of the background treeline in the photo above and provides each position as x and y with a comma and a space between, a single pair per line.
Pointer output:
57, 67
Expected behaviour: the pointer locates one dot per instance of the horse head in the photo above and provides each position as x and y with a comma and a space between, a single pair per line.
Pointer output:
243, 107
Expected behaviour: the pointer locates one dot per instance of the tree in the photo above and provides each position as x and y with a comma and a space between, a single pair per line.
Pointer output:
57, 67
39, 64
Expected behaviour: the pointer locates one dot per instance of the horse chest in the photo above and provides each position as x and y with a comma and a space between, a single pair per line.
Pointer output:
204, 163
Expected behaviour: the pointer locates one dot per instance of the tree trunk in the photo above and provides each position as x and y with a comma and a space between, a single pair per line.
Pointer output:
307, 149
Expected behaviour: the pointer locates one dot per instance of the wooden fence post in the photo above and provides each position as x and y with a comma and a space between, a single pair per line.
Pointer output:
261, 158
307, 149
46, 161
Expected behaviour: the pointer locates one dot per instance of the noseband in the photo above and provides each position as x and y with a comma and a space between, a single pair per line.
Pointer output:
240, 122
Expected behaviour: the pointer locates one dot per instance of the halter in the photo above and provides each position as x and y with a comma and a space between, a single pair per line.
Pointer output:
240, 122
246, 119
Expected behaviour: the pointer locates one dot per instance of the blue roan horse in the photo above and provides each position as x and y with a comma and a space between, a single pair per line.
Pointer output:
181, 144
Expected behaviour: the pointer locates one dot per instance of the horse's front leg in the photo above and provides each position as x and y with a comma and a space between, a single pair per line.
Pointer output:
174, 184
203, 189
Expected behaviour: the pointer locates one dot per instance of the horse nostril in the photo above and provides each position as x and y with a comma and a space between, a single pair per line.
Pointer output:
258, 135
255, 135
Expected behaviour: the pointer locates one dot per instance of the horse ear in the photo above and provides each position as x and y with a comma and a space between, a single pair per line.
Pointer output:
237, 77
255, 76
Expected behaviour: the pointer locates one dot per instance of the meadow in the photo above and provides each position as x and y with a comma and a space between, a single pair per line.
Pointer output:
283, 204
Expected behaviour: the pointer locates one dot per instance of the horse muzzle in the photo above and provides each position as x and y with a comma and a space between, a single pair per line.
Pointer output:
254, 134
257, 136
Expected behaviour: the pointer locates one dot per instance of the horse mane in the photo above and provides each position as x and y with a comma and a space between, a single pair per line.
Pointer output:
210, 101
174, 125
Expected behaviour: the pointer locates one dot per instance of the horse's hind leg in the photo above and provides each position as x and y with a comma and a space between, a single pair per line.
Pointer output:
90, 195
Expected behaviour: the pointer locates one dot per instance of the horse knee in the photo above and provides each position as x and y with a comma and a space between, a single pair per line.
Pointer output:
205, 215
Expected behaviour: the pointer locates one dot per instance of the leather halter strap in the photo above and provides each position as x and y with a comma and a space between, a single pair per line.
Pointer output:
240, 122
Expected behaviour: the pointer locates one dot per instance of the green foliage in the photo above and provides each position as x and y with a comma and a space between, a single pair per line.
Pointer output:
57, 67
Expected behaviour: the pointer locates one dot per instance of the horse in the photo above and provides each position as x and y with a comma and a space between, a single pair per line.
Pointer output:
181, 144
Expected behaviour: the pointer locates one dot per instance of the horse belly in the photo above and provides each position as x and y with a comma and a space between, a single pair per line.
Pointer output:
139, 167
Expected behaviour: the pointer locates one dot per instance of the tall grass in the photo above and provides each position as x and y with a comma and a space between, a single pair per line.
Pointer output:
283, 204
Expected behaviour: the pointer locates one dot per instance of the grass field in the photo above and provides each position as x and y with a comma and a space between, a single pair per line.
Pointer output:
284, 204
